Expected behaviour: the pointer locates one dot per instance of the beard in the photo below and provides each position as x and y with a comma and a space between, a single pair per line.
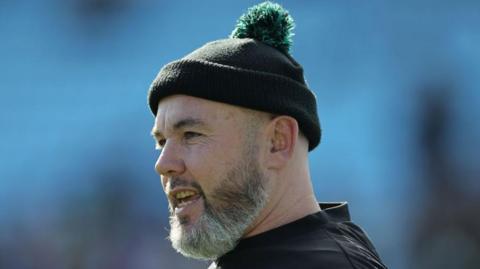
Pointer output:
228, 212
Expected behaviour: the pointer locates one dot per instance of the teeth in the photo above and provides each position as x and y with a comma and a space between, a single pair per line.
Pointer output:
183, 194
182, 204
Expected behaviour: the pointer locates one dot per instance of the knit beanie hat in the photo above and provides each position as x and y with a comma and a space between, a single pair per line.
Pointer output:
252, 68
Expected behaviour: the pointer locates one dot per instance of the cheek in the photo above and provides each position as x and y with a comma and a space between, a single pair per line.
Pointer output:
209, 164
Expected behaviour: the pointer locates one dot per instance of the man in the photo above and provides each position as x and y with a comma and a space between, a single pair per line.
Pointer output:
234, 121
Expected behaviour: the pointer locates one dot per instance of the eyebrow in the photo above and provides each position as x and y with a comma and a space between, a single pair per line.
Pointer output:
183, 123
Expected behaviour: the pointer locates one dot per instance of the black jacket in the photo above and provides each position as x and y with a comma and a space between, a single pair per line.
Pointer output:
327, 239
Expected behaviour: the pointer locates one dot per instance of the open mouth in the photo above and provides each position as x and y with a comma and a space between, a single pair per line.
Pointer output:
183, 198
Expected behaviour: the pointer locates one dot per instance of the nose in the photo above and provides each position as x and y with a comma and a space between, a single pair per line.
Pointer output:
170, 162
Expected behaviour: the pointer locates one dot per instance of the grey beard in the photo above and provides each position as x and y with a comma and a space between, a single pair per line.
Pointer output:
229, 211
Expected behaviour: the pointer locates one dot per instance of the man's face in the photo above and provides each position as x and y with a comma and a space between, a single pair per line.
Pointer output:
210, 172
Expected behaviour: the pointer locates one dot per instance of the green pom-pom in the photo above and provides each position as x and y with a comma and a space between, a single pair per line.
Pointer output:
267, 22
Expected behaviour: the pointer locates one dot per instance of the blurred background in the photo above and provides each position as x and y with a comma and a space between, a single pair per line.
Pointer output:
398, 93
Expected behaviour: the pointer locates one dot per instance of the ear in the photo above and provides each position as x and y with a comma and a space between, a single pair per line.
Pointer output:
282, 134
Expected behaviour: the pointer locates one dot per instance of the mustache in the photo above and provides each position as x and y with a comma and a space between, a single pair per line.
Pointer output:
175, 182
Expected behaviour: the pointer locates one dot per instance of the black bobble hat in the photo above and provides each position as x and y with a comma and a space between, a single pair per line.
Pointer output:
251, 69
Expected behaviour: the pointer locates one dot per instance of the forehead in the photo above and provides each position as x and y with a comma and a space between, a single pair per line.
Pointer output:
179, 107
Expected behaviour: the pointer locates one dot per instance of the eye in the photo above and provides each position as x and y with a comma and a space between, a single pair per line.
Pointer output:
160, 143
189, 135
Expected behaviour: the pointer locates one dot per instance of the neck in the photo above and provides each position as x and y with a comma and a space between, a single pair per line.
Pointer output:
288, 202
